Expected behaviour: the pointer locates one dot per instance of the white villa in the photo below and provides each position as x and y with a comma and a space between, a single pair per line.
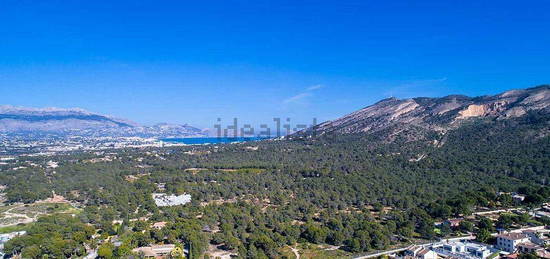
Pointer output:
463, 249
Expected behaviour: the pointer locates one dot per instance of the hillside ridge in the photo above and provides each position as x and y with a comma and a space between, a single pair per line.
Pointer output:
438, 114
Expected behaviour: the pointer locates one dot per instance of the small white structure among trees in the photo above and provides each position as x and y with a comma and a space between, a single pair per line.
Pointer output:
163, 200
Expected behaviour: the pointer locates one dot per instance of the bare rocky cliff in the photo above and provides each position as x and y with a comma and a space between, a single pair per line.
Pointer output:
437, 114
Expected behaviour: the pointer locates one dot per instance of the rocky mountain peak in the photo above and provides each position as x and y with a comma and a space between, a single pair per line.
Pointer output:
439, 113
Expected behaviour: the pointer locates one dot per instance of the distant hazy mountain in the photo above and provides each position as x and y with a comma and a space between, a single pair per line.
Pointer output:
81, 122
393, 115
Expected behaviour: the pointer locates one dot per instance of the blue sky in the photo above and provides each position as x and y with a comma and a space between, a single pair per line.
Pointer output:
196, 61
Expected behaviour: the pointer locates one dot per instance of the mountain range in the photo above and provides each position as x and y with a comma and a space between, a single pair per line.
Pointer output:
393, 116
77, 121
390, 117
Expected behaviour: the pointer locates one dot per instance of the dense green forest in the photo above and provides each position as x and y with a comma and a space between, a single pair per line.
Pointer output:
360, 192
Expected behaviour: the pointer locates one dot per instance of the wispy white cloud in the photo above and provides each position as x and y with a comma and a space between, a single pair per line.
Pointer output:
303, 96
314, 87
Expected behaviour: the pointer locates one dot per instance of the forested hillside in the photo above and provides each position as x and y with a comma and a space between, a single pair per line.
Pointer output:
357, 191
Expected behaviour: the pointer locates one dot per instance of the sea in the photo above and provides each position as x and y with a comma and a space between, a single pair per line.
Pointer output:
211, 140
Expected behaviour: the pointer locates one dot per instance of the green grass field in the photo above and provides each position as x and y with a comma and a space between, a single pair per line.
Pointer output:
14, 228
32, 210
12, 217
312, 251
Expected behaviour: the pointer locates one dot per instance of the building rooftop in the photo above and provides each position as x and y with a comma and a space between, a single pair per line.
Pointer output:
530, 245
160, 224
423, 252
154, 250
512, 236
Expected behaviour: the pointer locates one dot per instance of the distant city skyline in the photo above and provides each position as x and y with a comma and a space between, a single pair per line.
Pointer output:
183, 62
